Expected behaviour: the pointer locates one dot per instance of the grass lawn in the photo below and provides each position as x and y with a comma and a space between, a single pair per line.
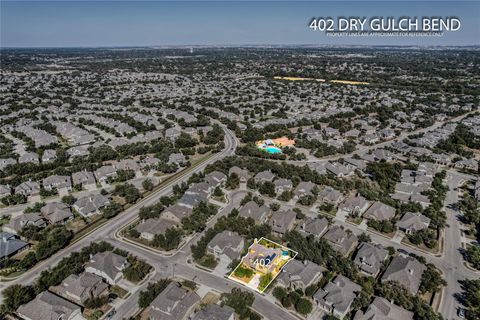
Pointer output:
356, 220
208, 261
119, 291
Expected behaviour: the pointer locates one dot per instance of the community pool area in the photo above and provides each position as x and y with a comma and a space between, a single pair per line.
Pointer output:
271, 149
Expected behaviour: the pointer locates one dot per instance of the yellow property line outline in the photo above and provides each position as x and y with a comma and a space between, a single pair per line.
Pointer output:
231, 277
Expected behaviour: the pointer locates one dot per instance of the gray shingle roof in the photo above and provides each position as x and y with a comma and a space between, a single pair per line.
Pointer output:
405, 270
47, 306
10, 244
382, 309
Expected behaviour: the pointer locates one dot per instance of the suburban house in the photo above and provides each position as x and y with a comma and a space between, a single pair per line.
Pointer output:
252, 210
226, 246
313, 226
282, 221
270, 255
330, 195
340, 170
173, 303
242, 174
28, 189
407, 271
299, 275
48, 306
282, 185
216, 179
5, 190
412, 222
370, 258
10, 245
380, 211
81, 287
264, 176
177, 158
172, 133
91, 204
49, 155
215, 312
355, 205
28, 157
382, 309
341, 241
61, 183
103, 173
304, 188
177, 212
107, 265
7, 162
83, 178
16, 224
149, 228
337, 296
57, 212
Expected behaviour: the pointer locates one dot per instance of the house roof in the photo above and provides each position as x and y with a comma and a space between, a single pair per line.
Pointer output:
47, 306
313, 226
172, 303
155, 226
340, 240
10, 244
305, 272
91, 203
83, 285
266, 175
214, 312
369, 257
406, 271
108, 262
56, 212
227, 242
178, 211
253, 210
382, 309
339, 293
82, 177
380, 211
414, 221
282, 221
354, 203
17, 223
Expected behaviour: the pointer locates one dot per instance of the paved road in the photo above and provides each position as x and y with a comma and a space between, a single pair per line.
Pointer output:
122, 219
177, 265
452, 263
161, 264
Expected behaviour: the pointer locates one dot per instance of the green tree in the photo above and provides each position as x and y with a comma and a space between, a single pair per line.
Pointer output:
233, 181
279, 293
111, 210
303, 306
16, 295
147, 184
153, 290
472, 255
69, 199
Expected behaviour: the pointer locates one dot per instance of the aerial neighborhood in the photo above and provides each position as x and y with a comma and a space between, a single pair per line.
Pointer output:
239, 183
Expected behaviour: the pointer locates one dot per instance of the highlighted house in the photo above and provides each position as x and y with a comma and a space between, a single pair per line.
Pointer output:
263, 262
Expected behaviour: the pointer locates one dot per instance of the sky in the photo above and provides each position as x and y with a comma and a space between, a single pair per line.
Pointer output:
160, 23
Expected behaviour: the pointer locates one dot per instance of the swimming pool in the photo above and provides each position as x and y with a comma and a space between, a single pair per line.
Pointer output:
271, 149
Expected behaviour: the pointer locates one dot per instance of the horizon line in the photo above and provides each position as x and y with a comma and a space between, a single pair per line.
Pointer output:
246, 45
